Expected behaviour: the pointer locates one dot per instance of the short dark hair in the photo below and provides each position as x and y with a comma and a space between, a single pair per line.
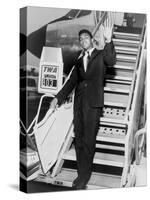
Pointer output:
85, 31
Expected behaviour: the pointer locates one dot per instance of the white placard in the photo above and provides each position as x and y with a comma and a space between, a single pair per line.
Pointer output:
51, 71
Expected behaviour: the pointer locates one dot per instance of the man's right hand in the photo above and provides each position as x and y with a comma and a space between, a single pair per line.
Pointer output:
53, 104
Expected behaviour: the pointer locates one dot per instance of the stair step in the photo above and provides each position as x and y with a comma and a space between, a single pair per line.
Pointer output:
97, 180
127, 50
113, 86
99, 158
126, 57
118, 81
123, 64
116, 104
110, 147
109, 89
67, 176
127, 35
123, 41
112, 121
120, 139
116, 99
124, 78
123, 67
113, 138
116, 73
112, 130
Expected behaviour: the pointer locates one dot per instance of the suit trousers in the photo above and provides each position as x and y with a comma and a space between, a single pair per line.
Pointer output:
86, 125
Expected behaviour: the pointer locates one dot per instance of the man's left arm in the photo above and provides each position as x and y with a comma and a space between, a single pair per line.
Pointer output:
109, 54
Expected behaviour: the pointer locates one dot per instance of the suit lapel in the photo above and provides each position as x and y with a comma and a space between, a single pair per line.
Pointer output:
93, 55
81, 64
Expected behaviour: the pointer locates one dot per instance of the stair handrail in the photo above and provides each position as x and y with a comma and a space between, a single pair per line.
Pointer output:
135, 71
129, 140
141, 132
104, 16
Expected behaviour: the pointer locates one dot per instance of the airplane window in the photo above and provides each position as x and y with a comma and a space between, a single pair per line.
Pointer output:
84, 13
72, 13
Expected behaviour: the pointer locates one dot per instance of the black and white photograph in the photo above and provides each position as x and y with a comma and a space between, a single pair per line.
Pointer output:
83, 99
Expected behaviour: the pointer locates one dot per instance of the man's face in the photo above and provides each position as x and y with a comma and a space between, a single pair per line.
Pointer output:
85, 41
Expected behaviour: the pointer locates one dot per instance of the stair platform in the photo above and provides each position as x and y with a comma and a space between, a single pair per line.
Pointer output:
67, 176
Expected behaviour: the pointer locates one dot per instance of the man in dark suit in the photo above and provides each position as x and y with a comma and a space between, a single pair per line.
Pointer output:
87, 78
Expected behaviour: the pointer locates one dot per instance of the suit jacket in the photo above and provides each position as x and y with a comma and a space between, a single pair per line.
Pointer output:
89, 83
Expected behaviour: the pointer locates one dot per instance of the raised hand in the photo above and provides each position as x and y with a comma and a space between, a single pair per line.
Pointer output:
108, 28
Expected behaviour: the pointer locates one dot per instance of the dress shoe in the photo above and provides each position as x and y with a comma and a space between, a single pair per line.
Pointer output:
75, 181
80, 184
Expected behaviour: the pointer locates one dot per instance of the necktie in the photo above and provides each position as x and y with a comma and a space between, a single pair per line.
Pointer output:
86, 60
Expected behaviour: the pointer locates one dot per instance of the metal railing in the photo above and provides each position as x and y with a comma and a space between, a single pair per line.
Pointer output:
135, 71
140, 140
104, 16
